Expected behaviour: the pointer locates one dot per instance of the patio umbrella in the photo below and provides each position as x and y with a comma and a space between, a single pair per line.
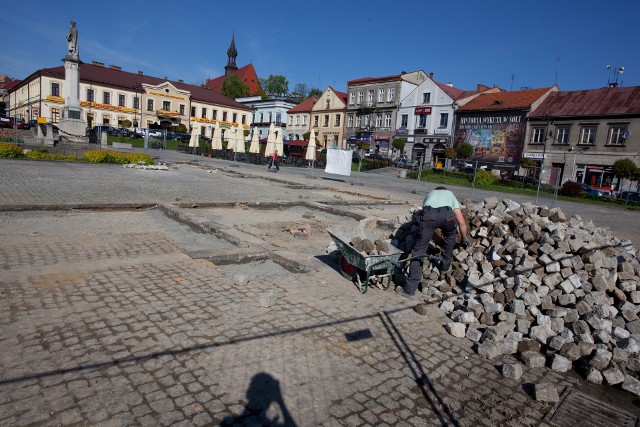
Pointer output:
216, 142
279, 144
239, 148
255, 143
271, 141
195, 138
311, 148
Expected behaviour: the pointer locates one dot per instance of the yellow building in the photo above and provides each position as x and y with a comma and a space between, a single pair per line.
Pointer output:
328, 115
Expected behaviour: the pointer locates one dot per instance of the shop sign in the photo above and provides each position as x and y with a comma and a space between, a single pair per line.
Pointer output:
441, 131
422, 110
402, 131
422, 131
535, 156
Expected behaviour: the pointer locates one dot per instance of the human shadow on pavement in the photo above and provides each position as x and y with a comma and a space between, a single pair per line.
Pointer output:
263, 391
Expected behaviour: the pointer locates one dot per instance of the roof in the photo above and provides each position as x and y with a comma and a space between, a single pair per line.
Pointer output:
365, 80
246, 74
515, 100
305, 106
124, 79
342, 95
594, 102
453, 92
10, 85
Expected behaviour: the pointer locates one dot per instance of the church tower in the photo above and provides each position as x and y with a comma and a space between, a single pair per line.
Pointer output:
232, 53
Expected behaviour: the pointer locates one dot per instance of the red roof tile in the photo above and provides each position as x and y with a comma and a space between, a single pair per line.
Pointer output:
594, 102
520, 99
373, 79
124, 79
10, 85
342, 95
246, 74
305, 106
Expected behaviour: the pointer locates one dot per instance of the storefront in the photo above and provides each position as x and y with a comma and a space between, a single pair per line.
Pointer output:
597, 176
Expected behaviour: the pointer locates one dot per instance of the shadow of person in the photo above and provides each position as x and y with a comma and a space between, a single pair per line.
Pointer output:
264, 391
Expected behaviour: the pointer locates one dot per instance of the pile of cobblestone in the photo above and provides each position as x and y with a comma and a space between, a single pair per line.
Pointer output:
558, 292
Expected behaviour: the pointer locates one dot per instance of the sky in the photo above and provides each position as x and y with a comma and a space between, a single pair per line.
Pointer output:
512, 44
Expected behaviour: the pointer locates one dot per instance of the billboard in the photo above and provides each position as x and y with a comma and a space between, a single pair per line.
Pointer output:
496, 137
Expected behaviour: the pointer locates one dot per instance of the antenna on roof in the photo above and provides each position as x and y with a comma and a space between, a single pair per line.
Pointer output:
616, 71
513, 76
555, 81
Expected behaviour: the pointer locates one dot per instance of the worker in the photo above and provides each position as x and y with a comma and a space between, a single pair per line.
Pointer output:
440, 210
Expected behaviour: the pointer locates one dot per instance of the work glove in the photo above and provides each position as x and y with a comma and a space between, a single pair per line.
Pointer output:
465, 242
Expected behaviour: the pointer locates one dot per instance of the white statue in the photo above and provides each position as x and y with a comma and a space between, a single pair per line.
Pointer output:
72, 39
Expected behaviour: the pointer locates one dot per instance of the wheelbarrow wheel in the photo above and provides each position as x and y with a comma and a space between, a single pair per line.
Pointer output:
347, 270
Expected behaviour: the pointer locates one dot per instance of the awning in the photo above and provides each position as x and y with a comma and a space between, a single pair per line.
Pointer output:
297, 143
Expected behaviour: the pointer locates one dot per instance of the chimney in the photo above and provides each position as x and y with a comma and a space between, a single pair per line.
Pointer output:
99, 64
450, 84
115, 67
180, 81
140, 73
481, 88
431, 76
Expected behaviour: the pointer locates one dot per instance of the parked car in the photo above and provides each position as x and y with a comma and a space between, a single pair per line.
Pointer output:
119, 132
403, 162
377, 157
632, 196
155, 133
586, 188
524, 179
11, 122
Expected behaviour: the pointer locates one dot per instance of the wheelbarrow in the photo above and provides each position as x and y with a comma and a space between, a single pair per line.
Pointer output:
361, 268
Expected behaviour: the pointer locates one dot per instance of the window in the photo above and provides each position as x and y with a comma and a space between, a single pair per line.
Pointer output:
444, 120
357, 121
387, 120
315, 120
379, 120
120, 121
537, 135
55, 89
204, 113
562, 135
352, 98
270, 117
294, 120
291, 120
423, 121
360, 97
106, 119
304, 120
244, 119
392, 95
426, 97
55, 115
90, 120
370, 97
234, 117
90, 95
616, 135
381, 95
404, 120
350, 121
224, 116
106, 98
166, 105
121, 100
193, 111
278, 118
182, 109
328, 107
261, 117
136, 102
215, 115
337, 119
588, 135
149, 104
326, 120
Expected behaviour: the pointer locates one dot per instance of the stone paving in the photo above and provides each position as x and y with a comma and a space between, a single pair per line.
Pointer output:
105, 319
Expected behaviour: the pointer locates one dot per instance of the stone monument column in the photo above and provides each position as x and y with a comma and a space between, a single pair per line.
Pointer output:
72, 127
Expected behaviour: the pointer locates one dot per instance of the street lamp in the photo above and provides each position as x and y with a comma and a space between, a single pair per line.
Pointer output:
547, 134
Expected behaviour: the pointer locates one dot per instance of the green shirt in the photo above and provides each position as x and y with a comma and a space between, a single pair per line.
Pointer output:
440, 198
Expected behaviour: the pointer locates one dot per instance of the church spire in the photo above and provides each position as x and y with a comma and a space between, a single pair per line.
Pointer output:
232, 53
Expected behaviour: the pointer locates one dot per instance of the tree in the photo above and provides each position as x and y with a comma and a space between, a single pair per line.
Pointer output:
234, 88
450, 153
181, 128
126, 123
465, 150
625, 168
275, 85
306, 136
301, 89
398, 144
526, 162
315, 91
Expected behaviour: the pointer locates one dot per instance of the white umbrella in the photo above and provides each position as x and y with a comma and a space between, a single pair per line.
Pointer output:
271, 141
216, 142
311, 148
239, 148
195, 137
255, 143
279, 146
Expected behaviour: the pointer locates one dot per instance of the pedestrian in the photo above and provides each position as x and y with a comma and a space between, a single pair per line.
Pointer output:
274, 161
440, 210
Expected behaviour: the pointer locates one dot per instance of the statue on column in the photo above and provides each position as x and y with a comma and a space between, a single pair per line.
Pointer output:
72, 40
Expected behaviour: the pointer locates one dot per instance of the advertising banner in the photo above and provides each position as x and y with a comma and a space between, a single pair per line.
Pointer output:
496, 137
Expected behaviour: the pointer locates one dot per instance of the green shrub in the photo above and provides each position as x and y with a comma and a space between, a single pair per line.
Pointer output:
485, 178
42, 153
368, 164
106, 156
8, 137
571, 189
10, 150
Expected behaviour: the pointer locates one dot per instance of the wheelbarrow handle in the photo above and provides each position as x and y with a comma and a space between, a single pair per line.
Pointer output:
402, 263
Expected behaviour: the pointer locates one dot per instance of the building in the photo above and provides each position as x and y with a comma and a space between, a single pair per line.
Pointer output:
299, 119
372, 106
425, 118
111, 96
580, 134
268, 111
328, 115
246, 74
494, 124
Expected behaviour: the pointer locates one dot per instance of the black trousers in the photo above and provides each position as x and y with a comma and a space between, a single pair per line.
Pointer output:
273, 163
430, 220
